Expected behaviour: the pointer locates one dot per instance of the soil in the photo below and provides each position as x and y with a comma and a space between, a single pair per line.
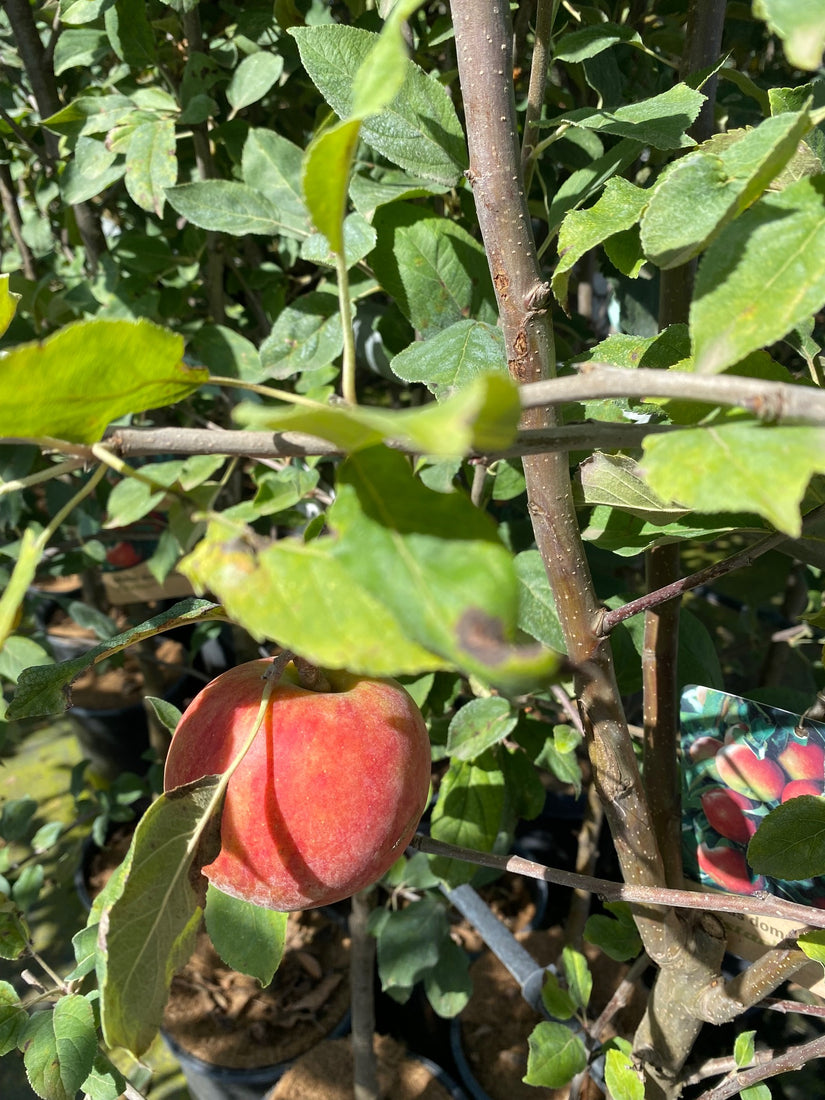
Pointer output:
112, 687
103, 862
225, 1018
326, 1073
497, 1021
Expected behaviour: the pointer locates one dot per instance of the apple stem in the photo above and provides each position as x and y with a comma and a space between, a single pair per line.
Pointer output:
310, 676
275, 670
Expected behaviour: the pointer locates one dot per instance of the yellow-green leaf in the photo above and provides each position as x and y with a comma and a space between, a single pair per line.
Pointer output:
74, 383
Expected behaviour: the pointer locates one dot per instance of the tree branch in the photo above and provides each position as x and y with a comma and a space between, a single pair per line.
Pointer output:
483, 42
793, 1058
766, 905
739, 560
771, 401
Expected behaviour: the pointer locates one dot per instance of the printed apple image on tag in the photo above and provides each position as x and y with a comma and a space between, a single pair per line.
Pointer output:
740, 760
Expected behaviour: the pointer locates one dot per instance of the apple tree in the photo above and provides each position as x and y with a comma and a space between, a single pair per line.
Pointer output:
455, 344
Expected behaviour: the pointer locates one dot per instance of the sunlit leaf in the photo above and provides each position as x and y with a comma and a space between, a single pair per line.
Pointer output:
74, 383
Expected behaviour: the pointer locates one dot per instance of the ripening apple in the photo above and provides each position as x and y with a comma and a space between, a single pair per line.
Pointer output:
803, 761
742, 770
327, 797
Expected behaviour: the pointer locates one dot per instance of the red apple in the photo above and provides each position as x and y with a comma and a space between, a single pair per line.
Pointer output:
727, 868
803, 761
724, 809
796, 787
741, 769
703, 748
327, 797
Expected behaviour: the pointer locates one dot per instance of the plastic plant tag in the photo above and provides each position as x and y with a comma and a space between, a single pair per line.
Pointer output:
740, 760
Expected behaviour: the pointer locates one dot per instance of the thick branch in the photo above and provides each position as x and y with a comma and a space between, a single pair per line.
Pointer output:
483, 41
661, 710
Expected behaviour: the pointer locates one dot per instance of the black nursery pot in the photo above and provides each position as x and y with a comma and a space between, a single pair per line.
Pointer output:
206, 1081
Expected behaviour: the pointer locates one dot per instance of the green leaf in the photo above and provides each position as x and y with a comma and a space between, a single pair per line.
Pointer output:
272, 167
750, 467
559, 757
579, 978
409, 941
294, 575
93, 168
383, 185
617, 936
435, 270
79, 47
105, 1082
622, 1076
801, 26
453, 357
252, 79
615, 480
382, 72
14, 933
744, 1048
307, 336
59, 1048
419, 130
227, 353
581, 184
555, 1056
225, 206
151, 164
166, 713
763, 275
436, 562
8, 304
619, 208
813, 944
790, 841
482, 417
147, 931
130, 33
28, 558
556, 1000
761, 1091
16, 817
358, 238
74, 383
84, 945
479, 725
537, 609
729, 175
469, 812
248, 938
326, 179
448, 984
661, 121
44, 690
90, 114
591, 41
13, 1018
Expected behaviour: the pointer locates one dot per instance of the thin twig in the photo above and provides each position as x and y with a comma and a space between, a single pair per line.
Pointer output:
804, 916
739, 560
791, 1059
621, 996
